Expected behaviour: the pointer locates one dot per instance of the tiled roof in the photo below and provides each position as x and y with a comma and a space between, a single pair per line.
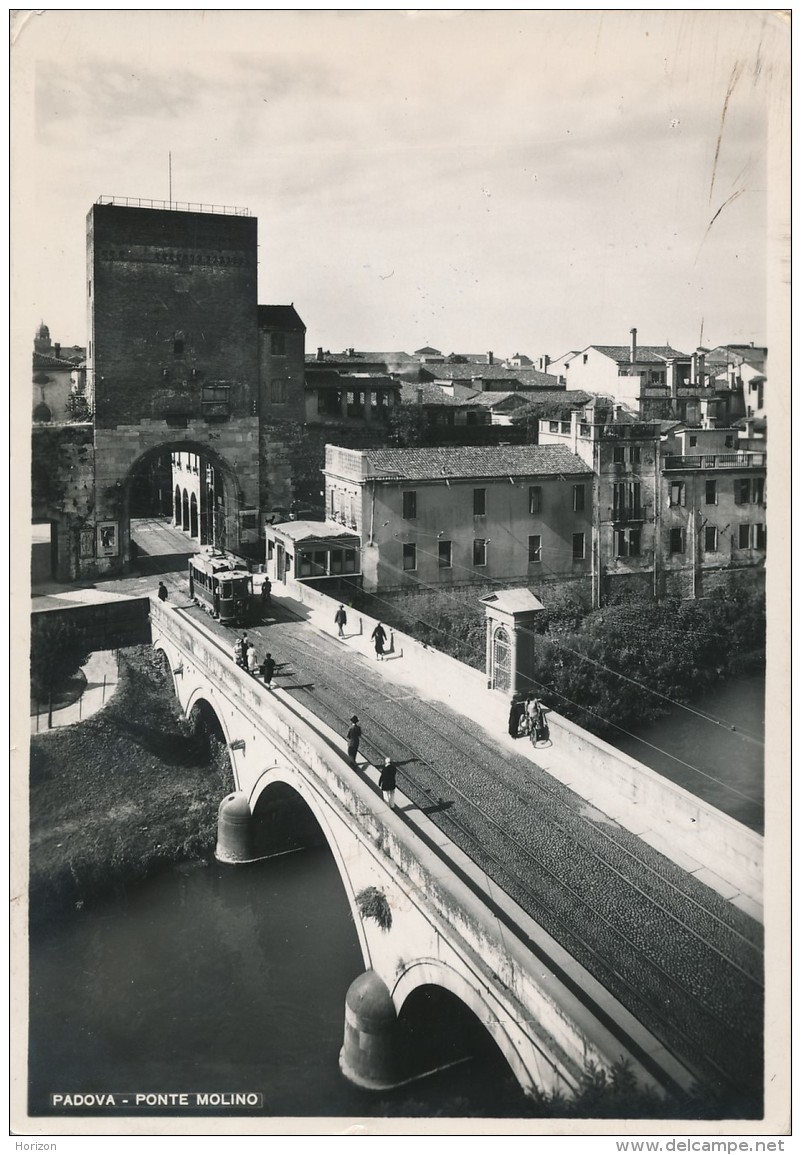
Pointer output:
327, 375
426, 350
474, 461
395, 360
428, 394
564, 398
530, 377
279, 317
358, 362
646, 353
47, 361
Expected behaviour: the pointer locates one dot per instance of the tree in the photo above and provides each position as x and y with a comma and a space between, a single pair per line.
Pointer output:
407, 425
78, 407
58, 650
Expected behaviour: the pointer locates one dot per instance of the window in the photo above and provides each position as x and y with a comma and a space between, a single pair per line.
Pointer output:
729, 442
278, 344
444, 555
578, 498
479, 503
742, 490
178, 347
677, 540
634, 542
480, 548
759, 537
636, 454
693, 442
711, 493
410, 556
578, 547
278, 390
744, 536
758, 490
619, 454
534, 499
409, 503
677, 493
710, 539
350, 561
553, 426
534, 549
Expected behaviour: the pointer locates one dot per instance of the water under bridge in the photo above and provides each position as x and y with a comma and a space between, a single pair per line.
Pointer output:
571, 939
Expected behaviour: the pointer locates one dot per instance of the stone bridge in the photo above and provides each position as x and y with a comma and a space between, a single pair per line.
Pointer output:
424, 914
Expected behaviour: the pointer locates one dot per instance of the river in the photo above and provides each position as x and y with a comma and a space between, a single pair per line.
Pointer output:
715, 749
215, 978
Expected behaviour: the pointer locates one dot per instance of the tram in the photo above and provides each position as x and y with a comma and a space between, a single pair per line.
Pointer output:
219, 586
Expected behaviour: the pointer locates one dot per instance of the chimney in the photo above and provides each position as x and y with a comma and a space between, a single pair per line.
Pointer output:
490, 358
545, 361
701, 379
694, 369
57, 348
320, 353
350, 352
633, 356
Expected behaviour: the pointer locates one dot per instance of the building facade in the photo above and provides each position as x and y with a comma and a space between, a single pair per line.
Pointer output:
678, 513
454, 516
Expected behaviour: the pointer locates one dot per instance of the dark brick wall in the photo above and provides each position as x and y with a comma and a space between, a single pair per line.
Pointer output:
281, 420
159, 277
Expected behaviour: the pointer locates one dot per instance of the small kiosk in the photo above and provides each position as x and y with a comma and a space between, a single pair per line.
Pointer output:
510, 640
315, 551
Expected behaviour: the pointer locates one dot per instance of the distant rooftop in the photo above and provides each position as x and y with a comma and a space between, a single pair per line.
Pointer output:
173, 206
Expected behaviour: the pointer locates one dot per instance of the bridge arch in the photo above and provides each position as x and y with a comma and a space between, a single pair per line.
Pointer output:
320, 810
431, 972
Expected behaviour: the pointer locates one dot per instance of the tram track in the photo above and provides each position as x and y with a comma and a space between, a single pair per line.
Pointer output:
696, 1013
686, 1005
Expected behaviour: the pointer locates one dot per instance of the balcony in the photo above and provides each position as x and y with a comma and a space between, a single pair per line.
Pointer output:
629, 513
717, 461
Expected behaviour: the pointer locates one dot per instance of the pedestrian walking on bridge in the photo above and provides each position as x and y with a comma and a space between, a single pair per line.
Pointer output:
379, 636
163, 595
386, 783
341, 619
354, 736
268, 669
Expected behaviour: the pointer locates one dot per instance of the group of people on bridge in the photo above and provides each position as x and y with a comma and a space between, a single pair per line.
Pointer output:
246, 658
387, 782
378, 636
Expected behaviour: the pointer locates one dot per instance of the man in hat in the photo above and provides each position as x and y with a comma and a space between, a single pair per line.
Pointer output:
340, 618
354, 734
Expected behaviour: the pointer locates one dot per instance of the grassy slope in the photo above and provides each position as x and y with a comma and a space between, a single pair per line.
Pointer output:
122, 792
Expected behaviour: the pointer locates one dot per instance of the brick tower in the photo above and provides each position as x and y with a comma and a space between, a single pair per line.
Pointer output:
172, 359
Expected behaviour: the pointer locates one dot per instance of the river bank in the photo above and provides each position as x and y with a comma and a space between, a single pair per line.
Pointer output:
122, 794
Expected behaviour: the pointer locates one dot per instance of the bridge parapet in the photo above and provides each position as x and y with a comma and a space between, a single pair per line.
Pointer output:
444, 927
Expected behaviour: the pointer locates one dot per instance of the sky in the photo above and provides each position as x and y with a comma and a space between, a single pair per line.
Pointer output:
520, 181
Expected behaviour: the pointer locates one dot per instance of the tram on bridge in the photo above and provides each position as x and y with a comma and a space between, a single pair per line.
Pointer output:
222, 588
